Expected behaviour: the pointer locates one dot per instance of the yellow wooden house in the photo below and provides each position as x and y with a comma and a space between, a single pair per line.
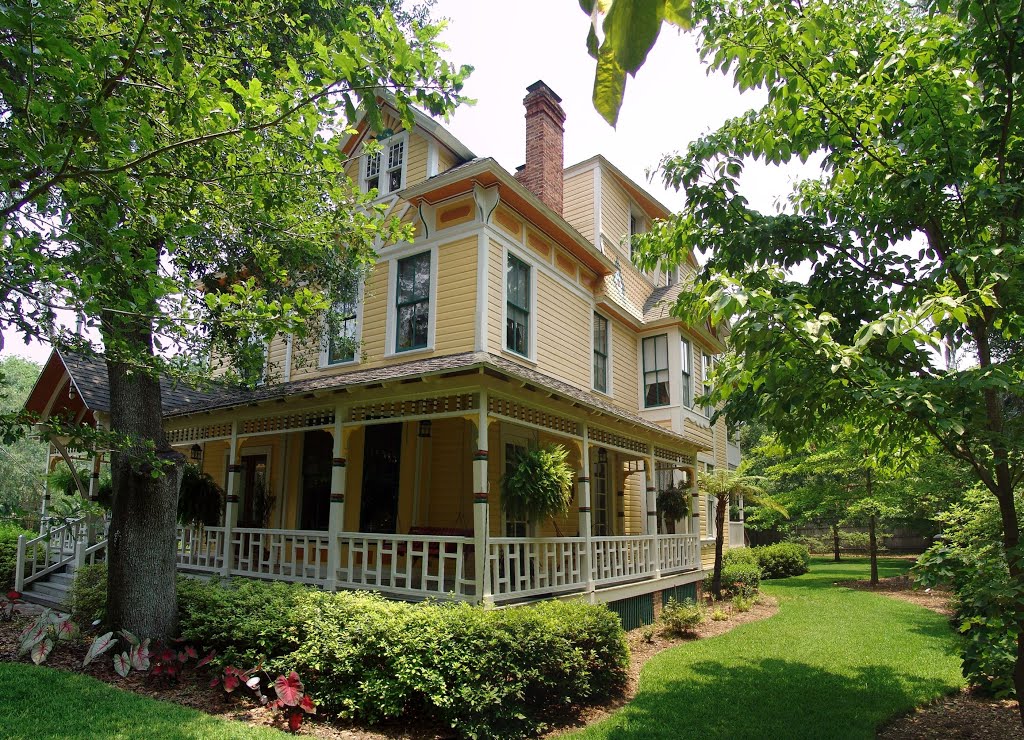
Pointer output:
514, 318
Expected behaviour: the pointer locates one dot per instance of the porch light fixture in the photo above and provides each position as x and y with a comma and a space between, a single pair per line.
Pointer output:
425, 428
197, 453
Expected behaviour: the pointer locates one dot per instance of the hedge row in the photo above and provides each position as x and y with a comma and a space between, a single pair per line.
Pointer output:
484, 673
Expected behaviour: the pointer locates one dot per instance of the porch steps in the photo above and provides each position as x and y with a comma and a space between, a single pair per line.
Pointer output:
53, 591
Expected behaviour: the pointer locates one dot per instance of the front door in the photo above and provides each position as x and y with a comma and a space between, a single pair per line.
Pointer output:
317, 450
382, 457
256, 500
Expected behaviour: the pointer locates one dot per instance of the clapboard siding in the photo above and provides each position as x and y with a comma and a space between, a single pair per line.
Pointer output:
578, 203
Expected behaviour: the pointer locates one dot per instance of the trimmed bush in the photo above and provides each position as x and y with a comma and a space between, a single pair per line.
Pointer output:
9, 553
89, 594
739, 555
738, 579
782, 560
506, 673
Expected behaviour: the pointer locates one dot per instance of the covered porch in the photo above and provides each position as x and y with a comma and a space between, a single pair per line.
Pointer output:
392, 486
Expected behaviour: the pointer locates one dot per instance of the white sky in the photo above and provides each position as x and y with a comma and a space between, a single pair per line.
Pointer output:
511, 45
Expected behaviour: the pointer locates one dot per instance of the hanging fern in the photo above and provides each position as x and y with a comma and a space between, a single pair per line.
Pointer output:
673, 503
539, 486
200, 499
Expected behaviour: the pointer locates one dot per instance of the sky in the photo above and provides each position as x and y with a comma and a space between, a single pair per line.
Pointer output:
511, 45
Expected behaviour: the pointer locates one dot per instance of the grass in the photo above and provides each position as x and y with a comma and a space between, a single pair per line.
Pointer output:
39, 702
833, 663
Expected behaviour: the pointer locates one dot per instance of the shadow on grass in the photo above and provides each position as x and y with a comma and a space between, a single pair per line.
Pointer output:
772, 698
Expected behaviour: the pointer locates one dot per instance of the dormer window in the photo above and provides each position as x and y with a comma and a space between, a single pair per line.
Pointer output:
385, 170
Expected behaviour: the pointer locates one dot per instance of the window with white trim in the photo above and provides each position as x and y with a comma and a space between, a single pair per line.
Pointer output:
655, 360
341, 345
709, 410
517, 308
686, 362
600, 353
385, 169
412, 302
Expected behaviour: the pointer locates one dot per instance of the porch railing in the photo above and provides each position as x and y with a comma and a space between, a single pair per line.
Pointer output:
413, 566
280, 554
200, 548
624, 558
74, 543
520, 567
407, 565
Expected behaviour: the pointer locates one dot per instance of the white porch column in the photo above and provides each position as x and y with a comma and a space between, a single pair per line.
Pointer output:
652, 507
586, 525
336, 522
44, 510
695, 504
94, 493
481, 508
231, 501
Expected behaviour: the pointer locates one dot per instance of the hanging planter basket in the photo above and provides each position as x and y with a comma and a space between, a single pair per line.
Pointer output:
539, 486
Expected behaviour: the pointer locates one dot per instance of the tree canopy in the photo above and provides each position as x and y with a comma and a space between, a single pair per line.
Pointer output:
912, 232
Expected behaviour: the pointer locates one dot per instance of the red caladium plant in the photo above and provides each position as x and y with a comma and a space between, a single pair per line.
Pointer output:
292, 698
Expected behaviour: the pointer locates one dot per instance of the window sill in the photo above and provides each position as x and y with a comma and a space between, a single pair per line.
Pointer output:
408, 352
344, 363
516, 356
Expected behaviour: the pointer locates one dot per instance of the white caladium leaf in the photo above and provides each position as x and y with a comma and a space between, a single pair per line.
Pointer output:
100, 645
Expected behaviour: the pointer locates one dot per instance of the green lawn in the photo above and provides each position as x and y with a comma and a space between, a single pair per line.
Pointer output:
39, 702
833, 663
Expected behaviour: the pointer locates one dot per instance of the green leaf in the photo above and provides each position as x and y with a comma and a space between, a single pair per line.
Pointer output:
609, 85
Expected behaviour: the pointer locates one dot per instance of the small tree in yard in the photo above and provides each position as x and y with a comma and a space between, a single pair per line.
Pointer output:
913, 230
172, 173
728, 486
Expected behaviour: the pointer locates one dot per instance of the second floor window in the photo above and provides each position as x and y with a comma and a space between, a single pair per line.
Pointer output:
412, 302
709, 410
342, 344
384, 170
655, 358
600, 353
517, 309
686, 392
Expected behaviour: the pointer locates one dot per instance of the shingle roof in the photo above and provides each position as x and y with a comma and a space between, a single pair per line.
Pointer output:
89, 374
90, 377
659, 303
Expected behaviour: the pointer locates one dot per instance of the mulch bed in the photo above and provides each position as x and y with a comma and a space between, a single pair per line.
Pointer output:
903, 588
963, 716
193, 690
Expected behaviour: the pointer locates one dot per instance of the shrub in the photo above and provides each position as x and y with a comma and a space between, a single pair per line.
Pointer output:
742, 603
739, 555
89, 594
682, 617
743, 579
782, 560
970, 559
505, 672
9, 553
719, 615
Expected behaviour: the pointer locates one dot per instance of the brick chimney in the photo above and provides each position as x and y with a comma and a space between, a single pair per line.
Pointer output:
545, 120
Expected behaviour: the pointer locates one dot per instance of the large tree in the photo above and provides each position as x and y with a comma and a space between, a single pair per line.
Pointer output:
912, 232
172, 172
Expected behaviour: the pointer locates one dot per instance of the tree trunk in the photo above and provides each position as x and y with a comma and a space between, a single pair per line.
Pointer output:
716, 581
835, 542
142, 588
873, 549
1015, 563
